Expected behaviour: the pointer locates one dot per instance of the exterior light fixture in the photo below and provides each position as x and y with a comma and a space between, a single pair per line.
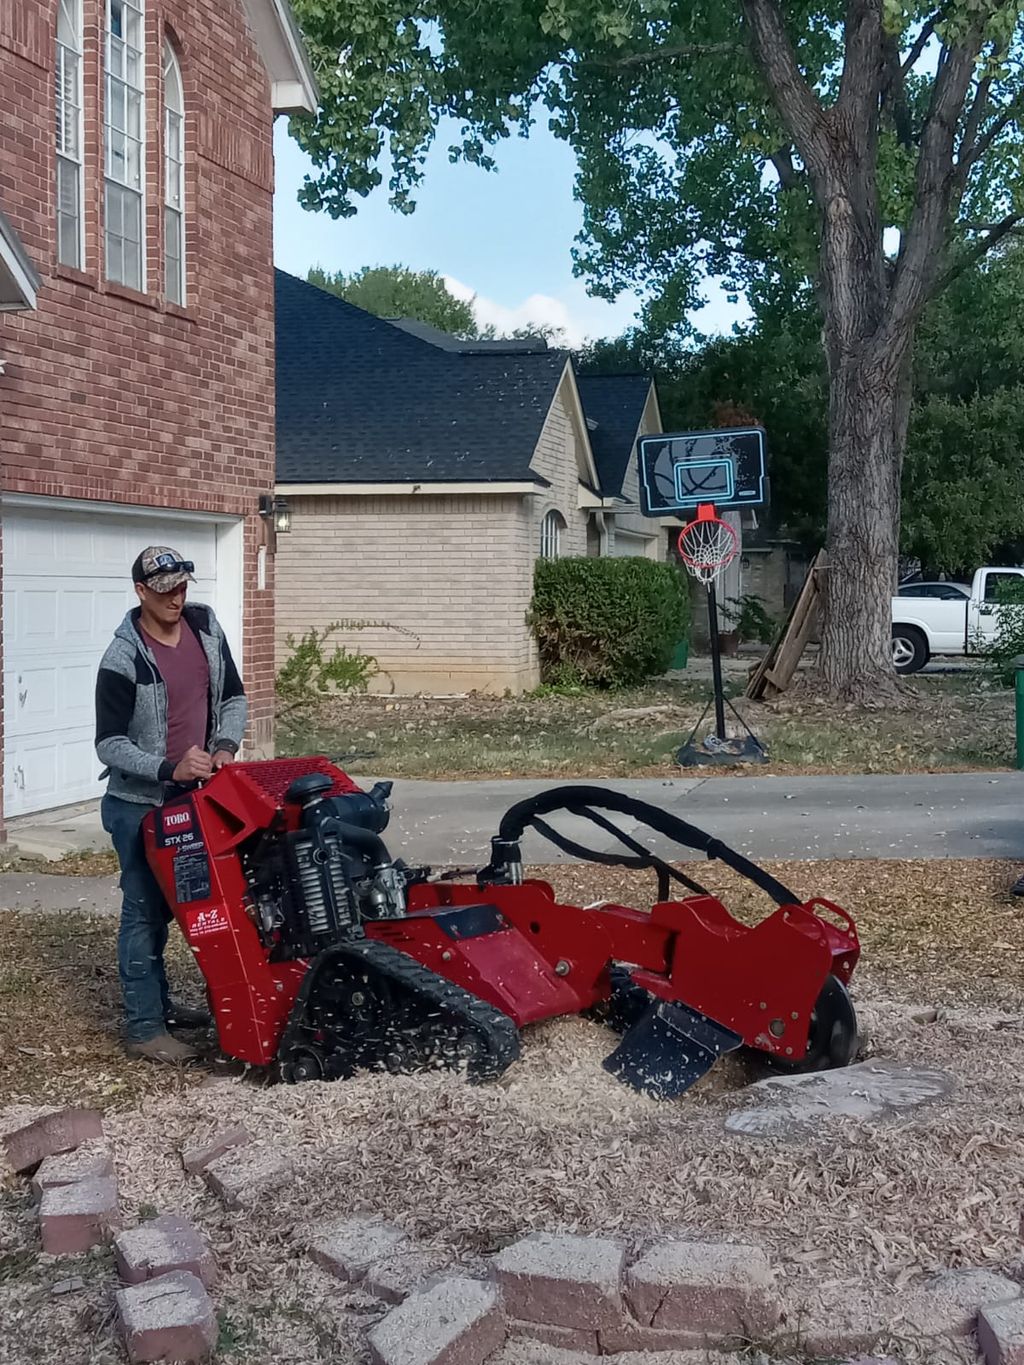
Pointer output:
276, 512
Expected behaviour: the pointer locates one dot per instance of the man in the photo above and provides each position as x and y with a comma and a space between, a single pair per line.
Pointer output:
170, 711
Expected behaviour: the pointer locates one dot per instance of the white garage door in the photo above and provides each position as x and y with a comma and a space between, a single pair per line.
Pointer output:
66, 588
627, 544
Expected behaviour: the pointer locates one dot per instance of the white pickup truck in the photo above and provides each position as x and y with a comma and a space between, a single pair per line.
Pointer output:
946, 618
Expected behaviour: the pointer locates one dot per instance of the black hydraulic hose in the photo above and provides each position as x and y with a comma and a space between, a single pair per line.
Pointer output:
518, 817
666, 871
593, 855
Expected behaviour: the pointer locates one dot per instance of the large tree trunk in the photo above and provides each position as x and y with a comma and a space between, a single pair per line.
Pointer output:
868, 415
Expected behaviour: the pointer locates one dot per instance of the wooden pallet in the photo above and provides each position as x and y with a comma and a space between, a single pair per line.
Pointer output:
775, 671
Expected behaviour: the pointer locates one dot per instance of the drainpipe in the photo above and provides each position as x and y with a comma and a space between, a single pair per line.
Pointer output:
602, 533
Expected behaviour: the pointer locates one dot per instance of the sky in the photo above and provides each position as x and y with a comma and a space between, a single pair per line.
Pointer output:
503, 236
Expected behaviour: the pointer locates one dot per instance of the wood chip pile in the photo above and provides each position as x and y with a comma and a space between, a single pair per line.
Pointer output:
850, 1213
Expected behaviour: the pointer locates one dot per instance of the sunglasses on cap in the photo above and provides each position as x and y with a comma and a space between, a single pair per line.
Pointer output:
168, 564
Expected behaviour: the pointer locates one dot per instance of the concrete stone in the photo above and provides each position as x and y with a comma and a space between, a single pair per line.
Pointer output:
712, 1290
565, 1338
73, 1218
348, 1247
170, 1318
244, 1175
632, 1336
27, 1139
840, 1323
791, 1106
195, 1159
457, 1321
948, 1304
87, 1162
566, 1281
163, 1245
394, 1278
1001, 1333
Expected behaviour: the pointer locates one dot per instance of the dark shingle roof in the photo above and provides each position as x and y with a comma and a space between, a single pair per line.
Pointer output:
615, 403
360, 400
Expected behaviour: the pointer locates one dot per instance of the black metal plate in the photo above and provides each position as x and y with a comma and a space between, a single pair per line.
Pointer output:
471, 921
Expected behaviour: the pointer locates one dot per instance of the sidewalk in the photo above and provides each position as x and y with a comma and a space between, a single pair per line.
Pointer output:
924, 815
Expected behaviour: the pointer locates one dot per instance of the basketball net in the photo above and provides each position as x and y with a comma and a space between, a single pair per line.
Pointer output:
708, 545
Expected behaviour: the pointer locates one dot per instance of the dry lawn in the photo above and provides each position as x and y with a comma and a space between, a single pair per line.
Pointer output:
944, 723
852, 1213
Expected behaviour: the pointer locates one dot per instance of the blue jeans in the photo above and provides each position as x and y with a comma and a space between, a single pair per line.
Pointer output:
142, 935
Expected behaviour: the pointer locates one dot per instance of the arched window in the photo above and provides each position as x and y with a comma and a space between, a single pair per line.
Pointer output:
551, 529
174, 179
124, 122
69, 133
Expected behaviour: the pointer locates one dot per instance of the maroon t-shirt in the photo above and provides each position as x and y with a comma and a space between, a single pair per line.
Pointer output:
186, 675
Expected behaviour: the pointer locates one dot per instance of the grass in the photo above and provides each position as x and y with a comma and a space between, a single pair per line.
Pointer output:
945, 723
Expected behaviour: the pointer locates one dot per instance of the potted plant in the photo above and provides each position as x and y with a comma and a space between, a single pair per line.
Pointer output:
747, 619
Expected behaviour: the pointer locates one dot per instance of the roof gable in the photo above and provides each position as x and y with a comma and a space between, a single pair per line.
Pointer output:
19, 281
360, 400
614, 405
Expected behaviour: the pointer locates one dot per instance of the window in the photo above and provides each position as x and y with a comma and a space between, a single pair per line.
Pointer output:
996, 584
551, 535
69, 132
123, 122
174, 179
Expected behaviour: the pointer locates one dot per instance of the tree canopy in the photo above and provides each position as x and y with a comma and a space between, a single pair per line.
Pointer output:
867, 150
397, 292
963, 478
686, 163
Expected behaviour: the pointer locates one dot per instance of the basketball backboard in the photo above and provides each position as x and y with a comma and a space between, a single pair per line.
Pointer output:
680, 471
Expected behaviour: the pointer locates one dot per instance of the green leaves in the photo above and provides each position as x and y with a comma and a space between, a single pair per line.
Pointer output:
397, 292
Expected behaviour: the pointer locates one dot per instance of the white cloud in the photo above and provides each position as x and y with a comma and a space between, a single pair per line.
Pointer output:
580, 318
576, 321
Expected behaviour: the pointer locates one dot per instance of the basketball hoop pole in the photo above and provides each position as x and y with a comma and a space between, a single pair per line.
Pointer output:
716, 660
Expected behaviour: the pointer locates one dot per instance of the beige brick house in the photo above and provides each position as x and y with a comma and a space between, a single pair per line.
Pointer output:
424, 477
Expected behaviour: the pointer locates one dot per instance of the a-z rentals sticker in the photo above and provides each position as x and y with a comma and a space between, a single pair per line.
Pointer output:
178, 829
212, 921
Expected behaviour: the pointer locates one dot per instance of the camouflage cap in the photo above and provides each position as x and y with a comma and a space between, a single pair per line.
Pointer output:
162, 569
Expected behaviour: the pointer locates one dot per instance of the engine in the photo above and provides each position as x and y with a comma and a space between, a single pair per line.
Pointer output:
313, 886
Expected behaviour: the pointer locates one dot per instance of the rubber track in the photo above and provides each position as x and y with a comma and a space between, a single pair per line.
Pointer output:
435, 993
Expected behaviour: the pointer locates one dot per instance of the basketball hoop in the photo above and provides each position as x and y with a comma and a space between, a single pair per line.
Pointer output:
708, 545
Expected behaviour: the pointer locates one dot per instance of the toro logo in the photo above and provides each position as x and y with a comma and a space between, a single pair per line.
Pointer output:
178, 819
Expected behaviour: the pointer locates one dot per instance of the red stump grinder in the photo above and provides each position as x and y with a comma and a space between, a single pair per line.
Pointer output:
323, 955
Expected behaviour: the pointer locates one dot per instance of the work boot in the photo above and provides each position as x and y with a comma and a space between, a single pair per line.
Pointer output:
187, 1016
1017, 889
163, 1048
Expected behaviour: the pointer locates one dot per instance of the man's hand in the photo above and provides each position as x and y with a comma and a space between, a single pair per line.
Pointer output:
195, 766
221, 757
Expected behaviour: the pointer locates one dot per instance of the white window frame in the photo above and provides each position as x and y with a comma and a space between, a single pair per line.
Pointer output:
124, 143
551, 529
69, 131
174, 175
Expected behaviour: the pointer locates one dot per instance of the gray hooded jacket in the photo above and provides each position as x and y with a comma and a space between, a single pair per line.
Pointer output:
131, 707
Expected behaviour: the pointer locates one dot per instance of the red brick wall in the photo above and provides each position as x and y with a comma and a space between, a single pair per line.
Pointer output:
115, 395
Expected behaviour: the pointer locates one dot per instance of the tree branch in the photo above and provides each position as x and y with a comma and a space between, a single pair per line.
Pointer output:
996, 233
782, 160
666, 54
863, 61
970, 156
970, 137
799, 106
933, 189
921, 42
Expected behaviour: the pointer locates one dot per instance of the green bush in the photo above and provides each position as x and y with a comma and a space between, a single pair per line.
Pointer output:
310, 673
607, 622
1009, 637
